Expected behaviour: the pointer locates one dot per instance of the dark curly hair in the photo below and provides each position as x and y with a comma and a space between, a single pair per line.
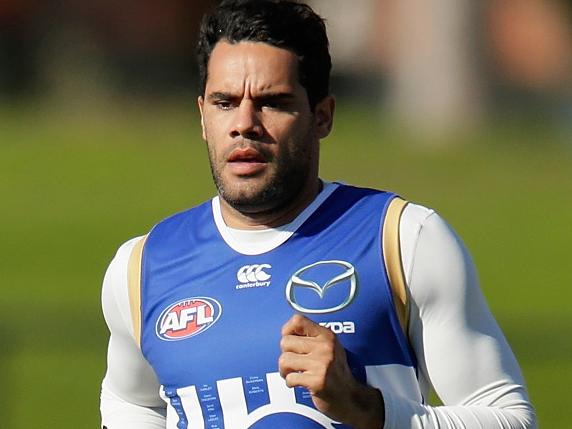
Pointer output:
282, 23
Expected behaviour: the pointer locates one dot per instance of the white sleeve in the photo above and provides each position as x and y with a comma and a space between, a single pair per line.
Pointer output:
130, 390
460, 349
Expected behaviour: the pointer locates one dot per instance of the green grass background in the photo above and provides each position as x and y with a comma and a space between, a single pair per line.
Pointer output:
76, 184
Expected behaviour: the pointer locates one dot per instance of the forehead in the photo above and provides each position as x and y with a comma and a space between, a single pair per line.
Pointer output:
258, 66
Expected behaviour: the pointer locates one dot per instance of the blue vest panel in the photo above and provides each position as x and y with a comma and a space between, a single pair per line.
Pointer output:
212, 317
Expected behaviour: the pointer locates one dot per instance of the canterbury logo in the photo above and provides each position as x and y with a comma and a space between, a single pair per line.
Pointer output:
255, 275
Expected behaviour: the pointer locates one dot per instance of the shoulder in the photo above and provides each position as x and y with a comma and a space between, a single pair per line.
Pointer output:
426, 236
420, 223
415, 216
126, 248
115, 291
120, 261
435, 260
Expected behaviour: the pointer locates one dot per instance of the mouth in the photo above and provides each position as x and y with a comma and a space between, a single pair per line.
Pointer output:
247, 154
246, 161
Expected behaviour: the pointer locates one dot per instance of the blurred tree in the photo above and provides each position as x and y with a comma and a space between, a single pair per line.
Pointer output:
530, 51
19, 44
531, 43
150, 43
431, 54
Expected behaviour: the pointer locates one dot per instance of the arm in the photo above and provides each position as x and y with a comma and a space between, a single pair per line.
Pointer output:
459, 346
130, 390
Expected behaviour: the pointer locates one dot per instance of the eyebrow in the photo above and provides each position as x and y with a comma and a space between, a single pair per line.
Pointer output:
216, 96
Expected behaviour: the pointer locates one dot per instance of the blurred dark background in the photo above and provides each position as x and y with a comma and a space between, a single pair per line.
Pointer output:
430, 65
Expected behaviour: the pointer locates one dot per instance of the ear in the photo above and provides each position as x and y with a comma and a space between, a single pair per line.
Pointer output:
201, 103
324, 116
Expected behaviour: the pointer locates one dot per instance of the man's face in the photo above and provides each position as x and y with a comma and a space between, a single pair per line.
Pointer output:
262, 137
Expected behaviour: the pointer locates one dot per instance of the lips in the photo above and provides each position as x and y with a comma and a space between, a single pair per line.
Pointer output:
246, 161
246, 155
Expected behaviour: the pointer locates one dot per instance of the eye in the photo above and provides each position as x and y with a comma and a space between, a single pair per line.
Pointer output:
224, 105
273, 105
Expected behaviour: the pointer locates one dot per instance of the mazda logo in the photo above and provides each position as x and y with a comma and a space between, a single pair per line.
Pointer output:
297, 281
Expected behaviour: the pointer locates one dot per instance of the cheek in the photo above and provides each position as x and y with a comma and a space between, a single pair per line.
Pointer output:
209, 130
288, 132
215, 123
300, 138
213, 149
214, 135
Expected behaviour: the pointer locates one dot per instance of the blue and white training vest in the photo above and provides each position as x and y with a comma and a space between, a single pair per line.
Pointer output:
211, 317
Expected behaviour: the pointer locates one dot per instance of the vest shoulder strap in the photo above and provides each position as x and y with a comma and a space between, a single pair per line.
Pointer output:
392, 260
134, 286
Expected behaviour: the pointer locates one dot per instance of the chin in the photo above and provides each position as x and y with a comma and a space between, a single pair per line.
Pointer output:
254, 203
251, 201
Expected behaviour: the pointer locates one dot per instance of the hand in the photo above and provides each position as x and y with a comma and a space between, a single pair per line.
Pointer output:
312, 357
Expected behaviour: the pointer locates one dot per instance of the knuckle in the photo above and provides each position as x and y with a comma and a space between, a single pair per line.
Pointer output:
329, 335
297, 319
327, 348
282, 361
289, 380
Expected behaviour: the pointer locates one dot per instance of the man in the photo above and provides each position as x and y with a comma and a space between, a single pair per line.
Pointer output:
271, 305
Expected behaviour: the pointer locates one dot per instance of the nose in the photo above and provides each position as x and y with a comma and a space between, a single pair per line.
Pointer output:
246, 122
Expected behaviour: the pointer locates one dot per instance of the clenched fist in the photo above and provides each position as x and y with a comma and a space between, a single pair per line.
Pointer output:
312, 357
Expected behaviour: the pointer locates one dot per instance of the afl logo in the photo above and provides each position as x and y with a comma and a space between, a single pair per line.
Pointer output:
187, 318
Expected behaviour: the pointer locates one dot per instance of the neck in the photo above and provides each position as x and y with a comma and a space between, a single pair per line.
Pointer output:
270, 218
